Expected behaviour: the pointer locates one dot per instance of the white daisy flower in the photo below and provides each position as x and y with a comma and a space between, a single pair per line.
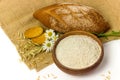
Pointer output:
48, 45
49, 34
55, 37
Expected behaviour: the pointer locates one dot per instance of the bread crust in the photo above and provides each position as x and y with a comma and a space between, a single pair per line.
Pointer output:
69, 17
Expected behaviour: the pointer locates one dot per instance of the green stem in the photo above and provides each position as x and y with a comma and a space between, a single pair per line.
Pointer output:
113, 33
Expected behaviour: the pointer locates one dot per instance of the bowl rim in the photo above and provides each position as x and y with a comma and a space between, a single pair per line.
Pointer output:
71, 70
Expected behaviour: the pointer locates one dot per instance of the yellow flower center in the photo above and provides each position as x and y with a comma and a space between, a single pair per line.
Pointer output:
48, 44
55, 38
50, 34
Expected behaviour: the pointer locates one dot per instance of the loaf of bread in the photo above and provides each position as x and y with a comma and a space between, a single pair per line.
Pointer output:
67, 17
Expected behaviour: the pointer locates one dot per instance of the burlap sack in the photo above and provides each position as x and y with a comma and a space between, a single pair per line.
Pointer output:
17, 15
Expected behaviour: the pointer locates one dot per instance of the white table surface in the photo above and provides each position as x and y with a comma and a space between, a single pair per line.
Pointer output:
11, 68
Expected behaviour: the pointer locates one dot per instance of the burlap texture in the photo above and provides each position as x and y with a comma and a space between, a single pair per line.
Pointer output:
17, 15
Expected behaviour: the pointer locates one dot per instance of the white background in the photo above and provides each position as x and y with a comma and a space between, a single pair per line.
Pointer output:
11, 68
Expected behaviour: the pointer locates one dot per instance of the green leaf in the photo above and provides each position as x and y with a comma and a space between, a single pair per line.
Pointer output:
106, 35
